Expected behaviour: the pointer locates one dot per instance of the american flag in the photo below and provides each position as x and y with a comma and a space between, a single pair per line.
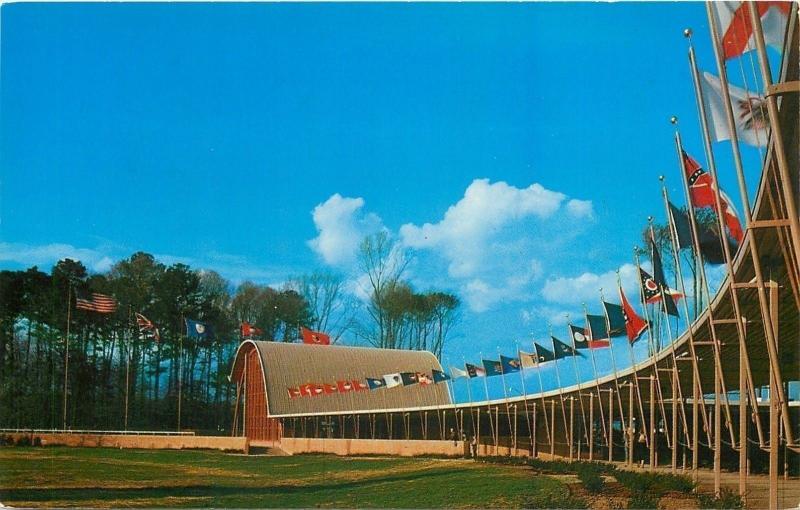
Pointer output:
99, 303
146, 328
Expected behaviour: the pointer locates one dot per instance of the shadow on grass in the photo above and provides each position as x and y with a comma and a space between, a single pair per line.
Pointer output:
77, 494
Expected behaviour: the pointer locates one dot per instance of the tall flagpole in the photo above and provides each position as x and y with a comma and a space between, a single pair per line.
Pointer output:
469, 396
541, 391
180, 372
578, 382
488, 406
128, 369
505, 393
66, 353
560, 388
748, 218
633, 354
673, 235
788, 199
525, 398
611, 348
594, 368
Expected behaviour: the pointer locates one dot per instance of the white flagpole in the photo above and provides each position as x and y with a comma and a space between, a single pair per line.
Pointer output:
541, 391
579, 383
594, 368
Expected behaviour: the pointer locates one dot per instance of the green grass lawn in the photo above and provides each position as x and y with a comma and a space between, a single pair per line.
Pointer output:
100, 477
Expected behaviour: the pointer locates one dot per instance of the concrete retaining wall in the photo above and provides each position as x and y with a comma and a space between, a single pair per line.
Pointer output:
397, 447
140, 441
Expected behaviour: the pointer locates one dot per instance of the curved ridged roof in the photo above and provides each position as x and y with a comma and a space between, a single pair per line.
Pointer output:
289, 365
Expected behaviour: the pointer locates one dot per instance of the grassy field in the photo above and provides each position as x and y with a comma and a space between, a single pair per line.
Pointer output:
97, 477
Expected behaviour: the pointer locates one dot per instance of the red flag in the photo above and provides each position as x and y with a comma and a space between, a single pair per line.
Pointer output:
731, 218
701, 191
360, 385
294, 392
247, 330
344, 386
310, 389
737, 30
329, 388
634, 325
315, 337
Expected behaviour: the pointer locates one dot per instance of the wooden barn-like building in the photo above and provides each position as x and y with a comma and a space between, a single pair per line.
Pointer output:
276, 380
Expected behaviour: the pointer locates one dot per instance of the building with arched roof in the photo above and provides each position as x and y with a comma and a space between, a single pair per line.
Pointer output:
277, 380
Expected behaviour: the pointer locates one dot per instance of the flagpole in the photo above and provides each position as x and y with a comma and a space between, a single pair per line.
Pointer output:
128, 369
469, 396
664, 293
630, 348
782, 164
788, 197
525, 398
541, 392
748, 219
560, 389
488, 406
579, 383
180, 372
673, 234
505, 393
594, 369
701, 265
613, 359
66, 352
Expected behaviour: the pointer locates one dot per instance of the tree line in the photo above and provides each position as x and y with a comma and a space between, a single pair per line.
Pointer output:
107, 354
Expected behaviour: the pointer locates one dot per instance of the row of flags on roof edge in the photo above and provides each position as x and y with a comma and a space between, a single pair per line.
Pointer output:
385, 381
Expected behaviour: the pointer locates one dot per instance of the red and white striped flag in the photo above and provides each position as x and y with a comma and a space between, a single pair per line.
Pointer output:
99, 303
736, 30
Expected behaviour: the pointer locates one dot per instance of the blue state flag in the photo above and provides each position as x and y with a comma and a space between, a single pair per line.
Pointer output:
492, 367
510, 364
197, 329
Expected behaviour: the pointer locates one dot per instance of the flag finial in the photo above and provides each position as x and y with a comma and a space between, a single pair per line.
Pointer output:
687, 32
661, 178
673, 119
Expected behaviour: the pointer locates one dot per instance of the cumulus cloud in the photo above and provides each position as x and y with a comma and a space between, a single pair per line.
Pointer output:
585, 287
341, 225
49, 254
486, 208
580, 208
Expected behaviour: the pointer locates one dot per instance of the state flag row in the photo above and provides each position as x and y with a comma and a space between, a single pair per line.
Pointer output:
368, 383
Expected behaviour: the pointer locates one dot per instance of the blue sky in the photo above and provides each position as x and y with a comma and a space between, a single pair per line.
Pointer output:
263, 140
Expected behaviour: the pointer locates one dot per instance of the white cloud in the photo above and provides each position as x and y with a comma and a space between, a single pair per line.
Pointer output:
585, 288
580, 208
49, 254
462, 235
341, 224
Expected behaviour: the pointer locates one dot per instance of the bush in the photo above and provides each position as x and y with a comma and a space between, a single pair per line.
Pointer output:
556, 497
24, 441
727, 499
642, 501
591, 480
655, 484
6, 440
37, 441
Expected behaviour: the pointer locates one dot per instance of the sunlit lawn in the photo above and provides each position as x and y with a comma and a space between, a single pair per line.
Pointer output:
100, 477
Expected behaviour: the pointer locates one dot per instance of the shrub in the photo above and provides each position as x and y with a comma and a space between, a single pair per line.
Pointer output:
642, 501
24, 441
655, 484
727, 499
37, 441
591, 480
556, 497
6, 440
